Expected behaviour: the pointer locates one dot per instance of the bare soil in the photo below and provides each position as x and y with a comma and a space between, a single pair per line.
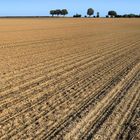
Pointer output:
70, 79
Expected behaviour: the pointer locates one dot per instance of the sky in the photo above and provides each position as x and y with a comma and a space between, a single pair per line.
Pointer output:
42, 7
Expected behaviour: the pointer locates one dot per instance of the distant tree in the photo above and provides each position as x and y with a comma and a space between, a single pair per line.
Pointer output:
64, 12
131, 15
77, 16
127, 16
90, 12
98, 14
52, 12
58, 12
112, 13
55, 13
107, 16
119, 16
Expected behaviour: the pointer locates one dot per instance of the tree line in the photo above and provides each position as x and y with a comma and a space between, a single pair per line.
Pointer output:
90, 12
115, 15
59, 12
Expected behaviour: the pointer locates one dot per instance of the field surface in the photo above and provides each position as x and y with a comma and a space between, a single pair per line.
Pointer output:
69, 79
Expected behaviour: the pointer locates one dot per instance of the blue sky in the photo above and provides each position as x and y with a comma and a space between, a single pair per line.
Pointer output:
42, 7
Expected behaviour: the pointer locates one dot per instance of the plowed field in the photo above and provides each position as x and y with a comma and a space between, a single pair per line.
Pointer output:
70, 79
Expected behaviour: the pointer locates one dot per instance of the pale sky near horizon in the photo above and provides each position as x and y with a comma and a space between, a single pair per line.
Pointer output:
42, 7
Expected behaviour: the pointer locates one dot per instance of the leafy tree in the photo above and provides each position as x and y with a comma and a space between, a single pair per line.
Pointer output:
90, 12
64, 12
52, 12
58, 12
112, 13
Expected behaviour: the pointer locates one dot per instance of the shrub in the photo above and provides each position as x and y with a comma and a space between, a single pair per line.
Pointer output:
77, 15
98, 14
